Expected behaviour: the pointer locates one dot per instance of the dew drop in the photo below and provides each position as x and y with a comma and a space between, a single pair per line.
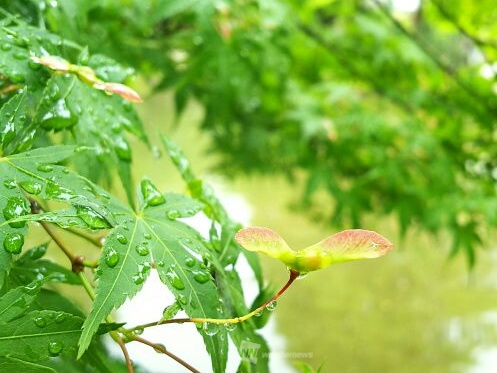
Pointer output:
40, 322
175, 281
138, 331
55, 348
122, 149
189, 261
173, 214
142, 250
60, 317
230, 326
151, 194
112, 258
93, 219
9, 184
147, 236
210, 329
13, 243
182, 299
201, 277
32, 187
16, 207
160, 263
57, 116
44, 168
121, 238
302, 275
271, 306
6, 46
138, 278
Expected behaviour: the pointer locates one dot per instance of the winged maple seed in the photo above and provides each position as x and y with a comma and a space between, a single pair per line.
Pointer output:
352, 244
88, 76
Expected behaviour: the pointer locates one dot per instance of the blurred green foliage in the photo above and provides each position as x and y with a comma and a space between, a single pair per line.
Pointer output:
386, 111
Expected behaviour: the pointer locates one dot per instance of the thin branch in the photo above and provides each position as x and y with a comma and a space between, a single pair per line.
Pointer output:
58, 242
163, 350
293, 276
129, 362
427, 50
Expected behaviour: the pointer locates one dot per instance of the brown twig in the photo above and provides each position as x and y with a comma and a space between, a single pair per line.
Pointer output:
163, 350
129, 362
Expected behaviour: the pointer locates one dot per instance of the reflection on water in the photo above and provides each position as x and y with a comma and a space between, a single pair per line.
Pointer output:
411, 311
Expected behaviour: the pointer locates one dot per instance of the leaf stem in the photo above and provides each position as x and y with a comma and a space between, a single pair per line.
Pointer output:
293, 276
59, 243
129, 363
97, 241
86, 284
163, 350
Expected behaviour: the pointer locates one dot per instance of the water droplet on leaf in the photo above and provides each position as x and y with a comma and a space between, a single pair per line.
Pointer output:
142, 250
55, 348
138, 278
44, 168
93, 219
13, 243
40, 322
122, 149
16, 207
151, 194
201, 277
175, 280
173, 214
230, 326
112, 258
121, 238
190, 262
57, 116
9, 184
32, 187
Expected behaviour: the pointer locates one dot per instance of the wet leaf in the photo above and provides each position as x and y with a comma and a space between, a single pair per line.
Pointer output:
10, 364
154, 235
39, 335
352, 244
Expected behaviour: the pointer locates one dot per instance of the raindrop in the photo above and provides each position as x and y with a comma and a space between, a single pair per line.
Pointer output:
302, 275
122, 149
210, 329
121, 238
173, 214
93, 219
38, 252
55, 348
138, 331
182, 299
147, 236
16, 207
32, 187
40, 322
6, 46
190, 262
175, 281
44, 168
9, 184
57, 116
13, 242
142, 250
160, 263
230, 326
112, 258
138, 278
156, 152
271, 306
151, 194
60, 317
201, 277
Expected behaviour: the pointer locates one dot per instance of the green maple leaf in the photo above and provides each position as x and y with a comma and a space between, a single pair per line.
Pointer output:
154, 235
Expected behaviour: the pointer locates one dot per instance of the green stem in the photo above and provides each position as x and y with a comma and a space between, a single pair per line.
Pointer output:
235, 320
86, 284
58, 242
